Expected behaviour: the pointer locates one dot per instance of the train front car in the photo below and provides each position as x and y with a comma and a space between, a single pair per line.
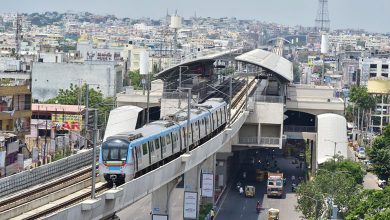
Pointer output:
116, 161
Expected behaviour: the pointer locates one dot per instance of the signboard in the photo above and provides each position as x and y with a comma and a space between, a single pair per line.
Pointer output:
35, 153
330, 59
67, 121
2, 158
159, 217
207, 184
52, 148
190, 205
21, 161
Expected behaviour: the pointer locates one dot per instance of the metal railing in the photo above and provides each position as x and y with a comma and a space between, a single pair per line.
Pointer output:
248, 140
44, 173
294, 128
270, 140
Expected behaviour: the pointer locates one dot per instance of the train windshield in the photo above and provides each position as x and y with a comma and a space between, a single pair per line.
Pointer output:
115, 150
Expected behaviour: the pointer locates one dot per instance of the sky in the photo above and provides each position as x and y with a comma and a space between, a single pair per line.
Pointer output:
372, 15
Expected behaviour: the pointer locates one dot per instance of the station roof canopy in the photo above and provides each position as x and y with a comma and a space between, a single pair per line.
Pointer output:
270, 61
174, 70
206, 60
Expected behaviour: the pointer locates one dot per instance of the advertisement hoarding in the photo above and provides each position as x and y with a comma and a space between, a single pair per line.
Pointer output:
2, 158
207, 184
190, 205
67, 122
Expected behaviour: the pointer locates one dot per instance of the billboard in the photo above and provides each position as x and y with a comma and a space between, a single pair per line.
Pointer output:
190, 205
207, 184
67, 122
159, 217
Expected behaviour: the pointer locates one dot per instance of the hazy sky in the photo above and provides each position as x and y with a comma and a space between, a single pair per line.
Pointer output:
372, 15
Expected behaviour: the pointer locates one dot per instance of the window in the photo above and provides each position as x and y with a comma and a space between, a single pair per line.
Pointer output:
162, 139
138, 150
174, 140
157, 143
168, 139
114, 154
144, 148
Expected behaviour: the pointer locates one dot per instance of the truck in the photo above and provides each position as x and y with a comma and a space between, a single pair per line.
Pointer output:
275, 184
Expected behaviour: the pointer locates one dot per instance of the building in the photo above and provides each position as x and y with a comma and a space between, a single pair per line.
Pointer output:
51, 124
15, 104
373, 67
49, 78
9, 150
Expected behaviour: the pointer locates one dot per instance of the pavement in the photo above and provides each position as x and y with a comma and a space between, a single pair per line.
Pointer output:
235, 206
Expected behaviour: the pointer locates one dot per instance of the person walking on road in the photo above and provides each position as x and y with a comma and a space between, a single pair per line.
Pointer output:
212, 214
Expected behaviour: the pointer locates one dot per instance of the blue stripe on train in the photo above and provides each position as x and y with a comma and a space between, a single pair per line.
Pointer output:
114, 168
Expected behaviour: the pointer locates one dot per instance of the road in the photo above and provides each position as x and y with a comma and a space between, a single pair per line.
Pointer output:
235, 206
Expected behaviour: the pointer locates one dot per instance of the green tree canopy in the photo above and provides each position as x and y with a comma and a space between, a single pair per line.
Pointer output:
371, 205
379, 155
359, 95
76, 95
338, 179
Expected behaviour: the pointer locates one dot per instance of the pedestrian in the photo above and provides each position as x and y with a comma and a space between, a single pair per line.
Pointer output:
300, 165
241, 190
212, 214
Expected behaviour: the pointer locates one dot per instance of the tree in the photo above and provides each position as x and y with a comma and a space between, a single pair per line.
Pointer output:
135, 79
364, 101
296, 72
370, 205
96, 100
338, 179
379, 155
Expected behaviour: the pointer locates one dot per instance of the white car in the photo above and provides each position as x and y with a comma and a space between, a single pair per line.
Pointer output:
361, 155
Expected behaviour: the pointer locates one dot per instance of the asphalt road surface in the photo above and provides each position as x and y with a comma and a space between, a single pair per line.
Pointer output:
235, 206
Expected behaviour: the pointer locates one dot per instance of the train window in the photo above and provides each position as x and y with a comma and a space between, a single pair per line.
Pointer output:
168, 139
151, 147
123, 154
157, 144
174, 140
144, 148
114, 154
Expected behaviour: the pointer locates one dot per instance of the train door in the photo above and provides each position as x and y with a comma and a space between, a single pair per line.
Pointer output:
175, 142
152, 152
183, 138
158, 148
138, 157
168, 142
145, 154
163, 147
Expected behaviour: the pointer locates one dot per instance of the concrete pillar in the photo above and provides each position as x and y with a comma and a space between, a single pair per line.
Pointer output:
208, 166
161, 198
191, 183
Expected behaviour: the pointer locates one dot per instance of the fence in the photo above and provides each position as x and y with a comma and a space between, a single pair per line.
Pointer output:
248, 140
45, 173
270, 140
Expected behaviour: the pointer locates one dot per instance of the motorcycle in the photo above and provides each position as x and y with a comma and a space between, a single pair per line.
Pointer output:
258, 209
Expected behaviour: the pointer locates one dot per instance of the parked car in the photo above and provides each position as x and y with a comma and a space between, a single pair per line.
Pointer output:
368, 165
361, 155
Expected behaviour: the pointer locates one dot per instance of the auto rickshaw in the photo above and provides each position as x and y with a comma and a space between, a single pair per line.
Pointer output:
273, 214
250, 191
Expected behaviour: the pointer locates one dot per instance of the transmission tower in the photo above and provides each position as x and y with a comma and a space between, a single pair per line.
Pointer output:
18, 35
322, 20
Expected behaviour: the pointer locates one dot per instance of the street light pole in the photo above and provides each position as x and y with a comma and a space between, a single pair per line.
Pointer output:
95, 117
147, 98
188, 118
180, 72
230, 100
86, 114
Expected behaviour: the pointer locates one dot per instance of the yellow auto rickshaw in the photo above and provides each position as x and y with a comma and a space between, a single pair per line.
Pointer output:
273, 214
250, 191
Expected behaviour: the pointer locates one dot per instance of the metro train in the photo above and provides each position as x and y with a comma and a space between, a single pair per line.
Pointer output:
127, 155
